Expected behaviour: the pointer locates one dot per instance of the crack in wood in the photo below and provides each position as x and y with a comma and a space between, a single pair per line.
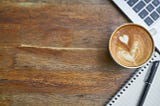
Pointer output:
58, 48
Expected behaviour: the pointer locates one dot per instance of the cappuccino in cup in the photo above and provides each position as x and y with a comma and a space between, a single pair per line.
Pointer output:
131, 45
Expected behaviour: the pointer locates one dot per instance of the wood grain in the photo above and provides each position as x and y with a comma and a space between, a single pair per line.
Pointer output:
55, 52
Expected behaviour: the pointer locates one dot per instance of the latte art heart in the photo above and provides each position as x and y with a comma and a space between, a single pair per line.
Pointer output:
126, 55
131, 45
129, 56
124, 39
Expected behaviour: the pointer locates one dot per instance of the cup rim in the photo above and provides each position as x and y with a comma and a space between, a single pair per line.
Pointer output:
128, 24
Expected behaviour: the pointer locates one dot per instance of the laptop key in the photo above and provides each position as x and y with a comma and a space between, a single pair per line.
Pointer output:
143, 14
158, 10
150, 7
147, 1
132, 2
154, 15
139, 6
156, 2
148, 21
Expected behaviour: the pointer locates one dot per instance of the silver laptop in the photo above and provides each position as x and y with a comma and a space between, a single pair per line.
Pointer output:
145, 13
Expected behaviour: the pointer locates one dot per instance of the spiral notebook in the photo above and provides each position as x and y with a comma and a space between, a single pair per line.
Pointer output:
130, 93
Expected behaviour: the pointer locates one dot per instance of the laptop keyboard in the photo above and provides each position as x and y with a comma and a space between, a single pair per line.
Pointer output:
148, 10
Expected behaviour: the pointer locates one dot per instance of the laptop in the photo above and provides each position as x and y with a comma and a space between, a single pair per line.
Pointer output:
145, 13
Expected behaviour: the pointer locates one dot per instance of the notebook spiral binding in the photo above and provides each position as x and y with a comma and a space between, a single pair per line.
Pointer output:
138, 72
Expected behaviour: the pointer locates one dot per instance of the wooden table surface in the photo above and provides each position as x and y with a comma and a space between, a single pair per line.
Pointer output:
55, 52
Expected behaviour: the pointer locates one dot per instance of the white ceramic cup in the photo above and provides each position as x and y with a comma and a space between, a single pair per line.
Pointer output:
113, 34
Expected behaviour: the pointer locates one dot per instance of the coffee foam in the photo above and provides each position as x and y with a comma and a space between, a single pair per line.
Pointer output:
131, 45
124, 39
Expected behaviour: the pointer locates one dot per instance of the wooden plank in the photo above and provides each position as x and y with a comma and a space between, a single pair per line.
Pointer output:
58, 1
55, 52
5, 102
9, 35
59, 24
68, 82
41, 99
63, 59
6, 58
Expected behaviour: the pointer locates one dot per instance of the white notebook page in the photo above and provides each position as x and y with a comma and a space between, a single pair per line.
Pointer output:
130, 93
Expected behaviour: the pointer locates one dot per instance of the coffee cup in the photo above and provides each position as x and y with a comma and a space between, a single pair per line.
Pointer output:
131, 45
